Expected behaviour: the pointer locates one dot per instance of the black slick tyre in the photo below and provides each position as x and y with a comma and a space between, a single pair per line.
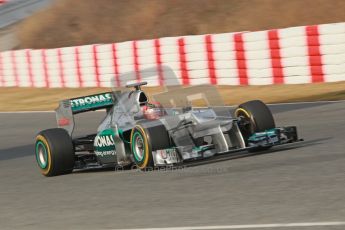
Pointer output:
257, 117
54, 152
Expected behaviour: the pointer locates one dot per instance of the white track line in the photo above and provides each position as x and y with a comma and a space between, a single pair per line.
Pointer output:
250, 226
286, 103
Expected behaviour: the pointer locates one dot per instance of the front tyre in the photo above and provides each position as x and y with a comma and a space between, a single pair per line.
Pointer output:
255, 117
54, 152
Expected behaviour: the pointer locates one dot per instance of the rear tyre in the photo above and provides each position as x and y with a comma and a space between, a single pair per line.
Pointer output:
145, 140
54, 152
256, 117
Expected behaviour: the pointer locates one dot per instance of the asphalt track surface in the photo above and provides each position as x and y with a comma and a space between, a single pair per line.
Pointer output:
301, 183
14, 11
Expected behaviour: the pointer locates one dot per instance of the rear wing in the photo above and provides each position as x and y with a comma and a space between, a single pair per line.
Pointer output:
68, 108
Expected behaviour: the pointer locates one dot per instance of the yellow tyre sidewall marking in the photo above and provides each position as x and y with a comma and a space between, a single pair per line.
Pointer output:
243, 111
248, 114
45, 142
144, 164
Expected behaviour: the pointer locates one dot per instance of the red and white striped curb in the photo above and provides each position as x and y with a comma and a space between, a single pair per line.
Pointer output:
297, 55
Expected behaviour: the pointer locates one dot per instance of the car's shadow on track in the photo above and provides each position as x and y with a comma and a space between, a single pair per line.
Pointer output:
17, 152
225, 157
28, 150
276, 149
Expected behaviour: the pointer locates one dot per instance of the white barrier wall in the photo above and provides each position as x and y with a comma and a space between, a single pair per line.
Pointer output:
297, 55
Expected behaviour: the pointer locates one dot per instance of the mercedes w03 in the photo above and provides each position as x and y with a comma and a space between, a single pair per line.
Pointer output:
143, 133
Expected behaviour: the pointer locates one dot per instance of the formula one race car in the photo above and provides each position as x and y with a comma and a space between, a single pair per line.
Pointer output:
137, 132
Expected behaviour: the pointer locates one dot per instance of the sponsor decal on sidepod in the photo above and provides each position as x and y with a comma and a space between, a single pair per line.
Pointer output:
104, 143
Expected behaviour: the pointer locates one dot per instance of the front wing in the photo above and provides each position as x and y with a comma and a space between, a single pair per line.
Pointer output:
258, 141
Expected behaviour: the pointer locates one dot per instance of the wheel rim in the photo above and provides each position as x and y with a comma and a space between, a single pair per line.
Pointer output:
41, 155
138, 147
249, 125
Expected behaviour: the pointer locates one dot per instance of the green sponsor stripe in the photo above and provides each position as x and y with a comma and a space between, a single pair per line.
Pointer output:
261, 135
91, 102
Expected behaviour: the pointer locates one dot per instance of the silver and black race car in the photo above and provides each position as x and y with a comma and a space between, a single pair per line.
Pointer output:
147, 135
